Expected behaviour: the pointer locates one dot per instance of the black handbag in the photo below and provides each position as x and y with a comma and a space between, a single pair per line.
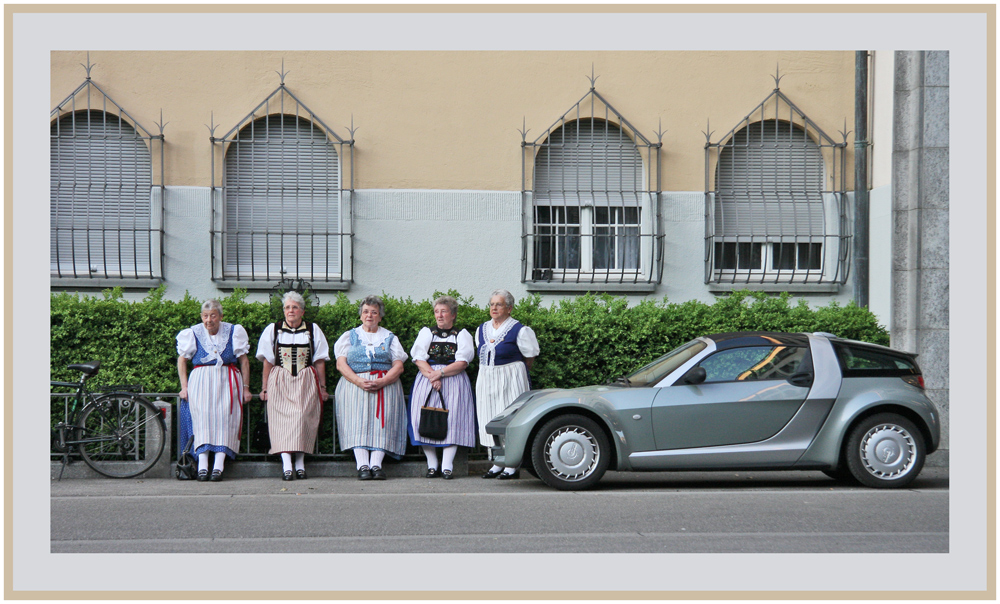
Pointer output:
187, 467
433, 421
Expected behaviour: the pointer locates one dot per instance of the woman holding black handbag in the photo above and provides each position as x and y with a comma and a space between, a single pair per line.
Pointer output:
441, 354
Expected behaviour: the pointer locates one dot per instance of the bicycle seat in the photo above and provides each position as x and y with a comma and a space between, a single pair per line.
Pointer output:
89, 369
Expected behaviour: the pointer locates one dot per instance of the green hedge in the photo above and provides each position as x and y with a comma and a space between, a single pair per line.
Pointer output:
585, 340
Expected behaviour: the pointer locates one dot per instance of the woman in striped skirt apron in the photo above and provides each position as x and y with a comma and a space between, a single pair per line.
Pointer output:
371, 412
507, 350
442, 354
294, 354
212, 396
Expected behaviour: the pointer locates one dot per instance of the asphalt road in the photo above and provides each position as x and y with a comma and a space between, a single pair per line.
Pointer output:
725, 512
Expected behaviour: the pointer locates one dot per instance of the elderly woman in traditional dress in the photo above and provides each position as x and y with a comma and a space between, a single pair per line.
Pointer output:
212, 397
294, 353
371, 412
507, 350
442, 353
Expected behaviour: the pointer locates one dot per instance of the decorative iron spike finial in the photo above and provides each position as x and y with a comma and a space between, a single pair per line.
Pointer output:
89, 65
160, 124
352, 129
211, 129
524, 131
777, 77
708, 132
592, 77
660, 132
282, 73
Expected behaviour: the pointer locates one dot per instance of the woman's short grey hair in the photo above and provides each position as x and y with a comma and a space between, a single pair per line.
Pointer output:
508, 298
295, 297
374, 302
448, 302
212, 304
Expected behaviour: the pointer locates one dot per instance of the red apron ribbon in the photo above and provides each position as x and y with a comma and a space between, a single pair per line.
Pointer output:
380, 406
235, 392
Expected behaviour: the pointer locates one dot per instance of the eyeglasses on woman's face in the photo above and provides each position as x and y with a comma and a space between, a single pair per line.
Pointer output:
498, 305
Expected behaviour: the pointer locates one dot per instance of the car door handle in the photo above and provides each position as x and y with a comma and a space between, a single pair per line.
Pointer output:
801, 379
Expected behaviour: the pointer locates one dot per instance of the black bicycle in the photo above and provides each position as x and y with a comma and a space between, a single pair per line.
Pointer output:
118, 434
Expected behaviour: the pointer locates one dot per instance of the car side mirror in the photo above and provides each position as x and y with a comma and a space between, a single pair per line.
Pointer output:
695, 375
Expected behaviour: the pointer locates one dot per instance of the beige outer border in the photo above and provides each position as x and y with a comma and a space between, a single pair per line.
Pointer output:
8, 319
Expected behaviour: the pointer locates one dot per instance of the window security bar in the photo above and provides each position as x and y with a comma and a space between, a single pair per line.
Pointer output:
283, 210
590, 191
775, 200
106, 212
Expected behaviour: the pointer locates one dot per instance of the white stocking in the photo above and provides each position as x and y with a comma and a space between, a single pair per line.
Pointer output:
448, 457
377, 457
361, 456
300, 460
286, 462
220, 460
203, 461
432, 457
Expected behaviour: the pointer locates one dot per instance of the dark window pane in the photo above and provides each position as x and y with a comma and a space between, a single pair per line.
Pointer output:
810, 256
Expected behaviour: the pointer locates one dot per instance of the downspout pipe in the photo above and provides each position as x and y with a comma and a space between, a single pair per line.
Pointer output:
861, 203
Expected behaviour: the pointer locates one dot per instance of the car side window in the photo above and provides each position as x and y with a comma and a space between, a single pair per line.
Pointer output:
754, 363
857, 361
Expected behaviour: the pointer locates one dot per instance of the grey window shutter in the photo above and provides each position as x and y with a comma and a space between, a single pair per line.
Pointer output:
588, 162
769, 183
282, 199
100, 197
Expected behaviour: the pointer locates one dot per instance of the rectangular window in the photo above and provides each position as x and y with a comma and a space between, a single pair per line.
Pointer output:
558, 240
797, 256
738, 256
616, 238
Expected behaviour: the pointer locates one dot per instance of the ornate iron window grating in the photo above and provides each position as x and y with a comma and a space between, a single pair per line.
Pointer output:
283, 209
775, 201
106, 213
590, 189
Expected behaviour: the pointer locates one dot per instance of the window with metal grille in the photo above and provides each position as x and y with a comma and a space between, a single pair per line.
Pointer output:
771, 217
103, 203
593, 211
283, 201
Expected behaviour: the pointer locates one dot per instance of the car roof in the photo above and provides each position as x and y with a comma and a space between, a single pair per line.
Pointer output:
758, 338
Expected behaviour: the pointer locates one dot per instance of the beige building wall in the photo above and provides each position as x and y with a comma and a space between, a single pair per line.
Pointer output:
450, 120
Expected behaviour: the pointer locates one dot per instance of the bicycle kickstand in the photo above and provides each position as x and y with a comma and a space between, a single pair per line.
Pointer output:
63, 468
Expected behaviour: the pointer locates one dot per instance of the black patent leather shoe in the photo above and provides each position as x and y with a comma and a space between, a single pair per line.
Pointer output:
216, 476
365, 473
300, 474
446, 474
202, 475
377, 473
506, 476
432, 473
287, 475
492, 474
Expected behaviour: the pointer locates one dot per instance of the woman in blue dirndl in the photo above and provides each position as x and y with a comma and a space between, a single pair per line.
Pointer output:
441, 354
212, 397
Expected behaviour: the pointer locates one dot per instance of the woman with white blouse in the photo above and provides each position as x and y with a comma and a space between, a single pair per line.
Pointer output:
371, 411
507, 349
212, 397
294, 353
441, 354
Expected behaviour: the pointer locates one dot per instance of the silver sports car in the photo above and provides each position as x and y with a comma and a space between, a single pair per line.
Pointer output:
733, 401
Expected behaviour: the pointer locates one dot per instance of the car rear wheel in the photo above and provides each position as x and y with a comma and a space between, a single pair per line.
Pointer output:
885, 451
570, 453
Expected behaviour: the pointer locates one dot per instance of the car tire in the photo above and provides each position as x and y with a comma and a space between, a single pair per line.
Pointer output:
570, 453
841, 474
885, 451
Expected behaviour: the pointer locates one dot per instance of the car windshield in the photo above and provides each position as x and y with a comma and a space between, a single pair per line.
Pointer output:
652, 373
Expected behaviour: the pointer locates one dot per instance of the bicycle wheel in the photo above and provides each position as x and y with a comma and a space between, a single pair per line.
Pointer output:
120, 435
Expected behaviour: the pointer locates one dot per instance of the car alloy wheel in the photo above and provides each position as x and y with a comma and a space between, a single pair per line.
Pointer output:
885, 451
570, 452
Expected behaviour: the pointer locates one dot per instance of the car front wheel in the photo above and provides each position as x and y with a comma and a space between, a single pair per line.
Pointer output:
885, 451
570, 453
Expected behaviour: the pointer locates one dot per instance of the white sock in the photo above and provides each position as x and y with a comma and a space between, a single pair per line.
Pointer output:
377, 457
361, 456
495, 468
448, 457
220, 461
286, 462
300, 460
509, 470
432, 458
203, 461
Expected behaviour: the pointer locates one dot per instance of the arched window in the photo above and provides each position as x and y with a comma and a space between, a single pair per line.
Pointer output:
282, 200
100, 197
769, 211
591, 204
